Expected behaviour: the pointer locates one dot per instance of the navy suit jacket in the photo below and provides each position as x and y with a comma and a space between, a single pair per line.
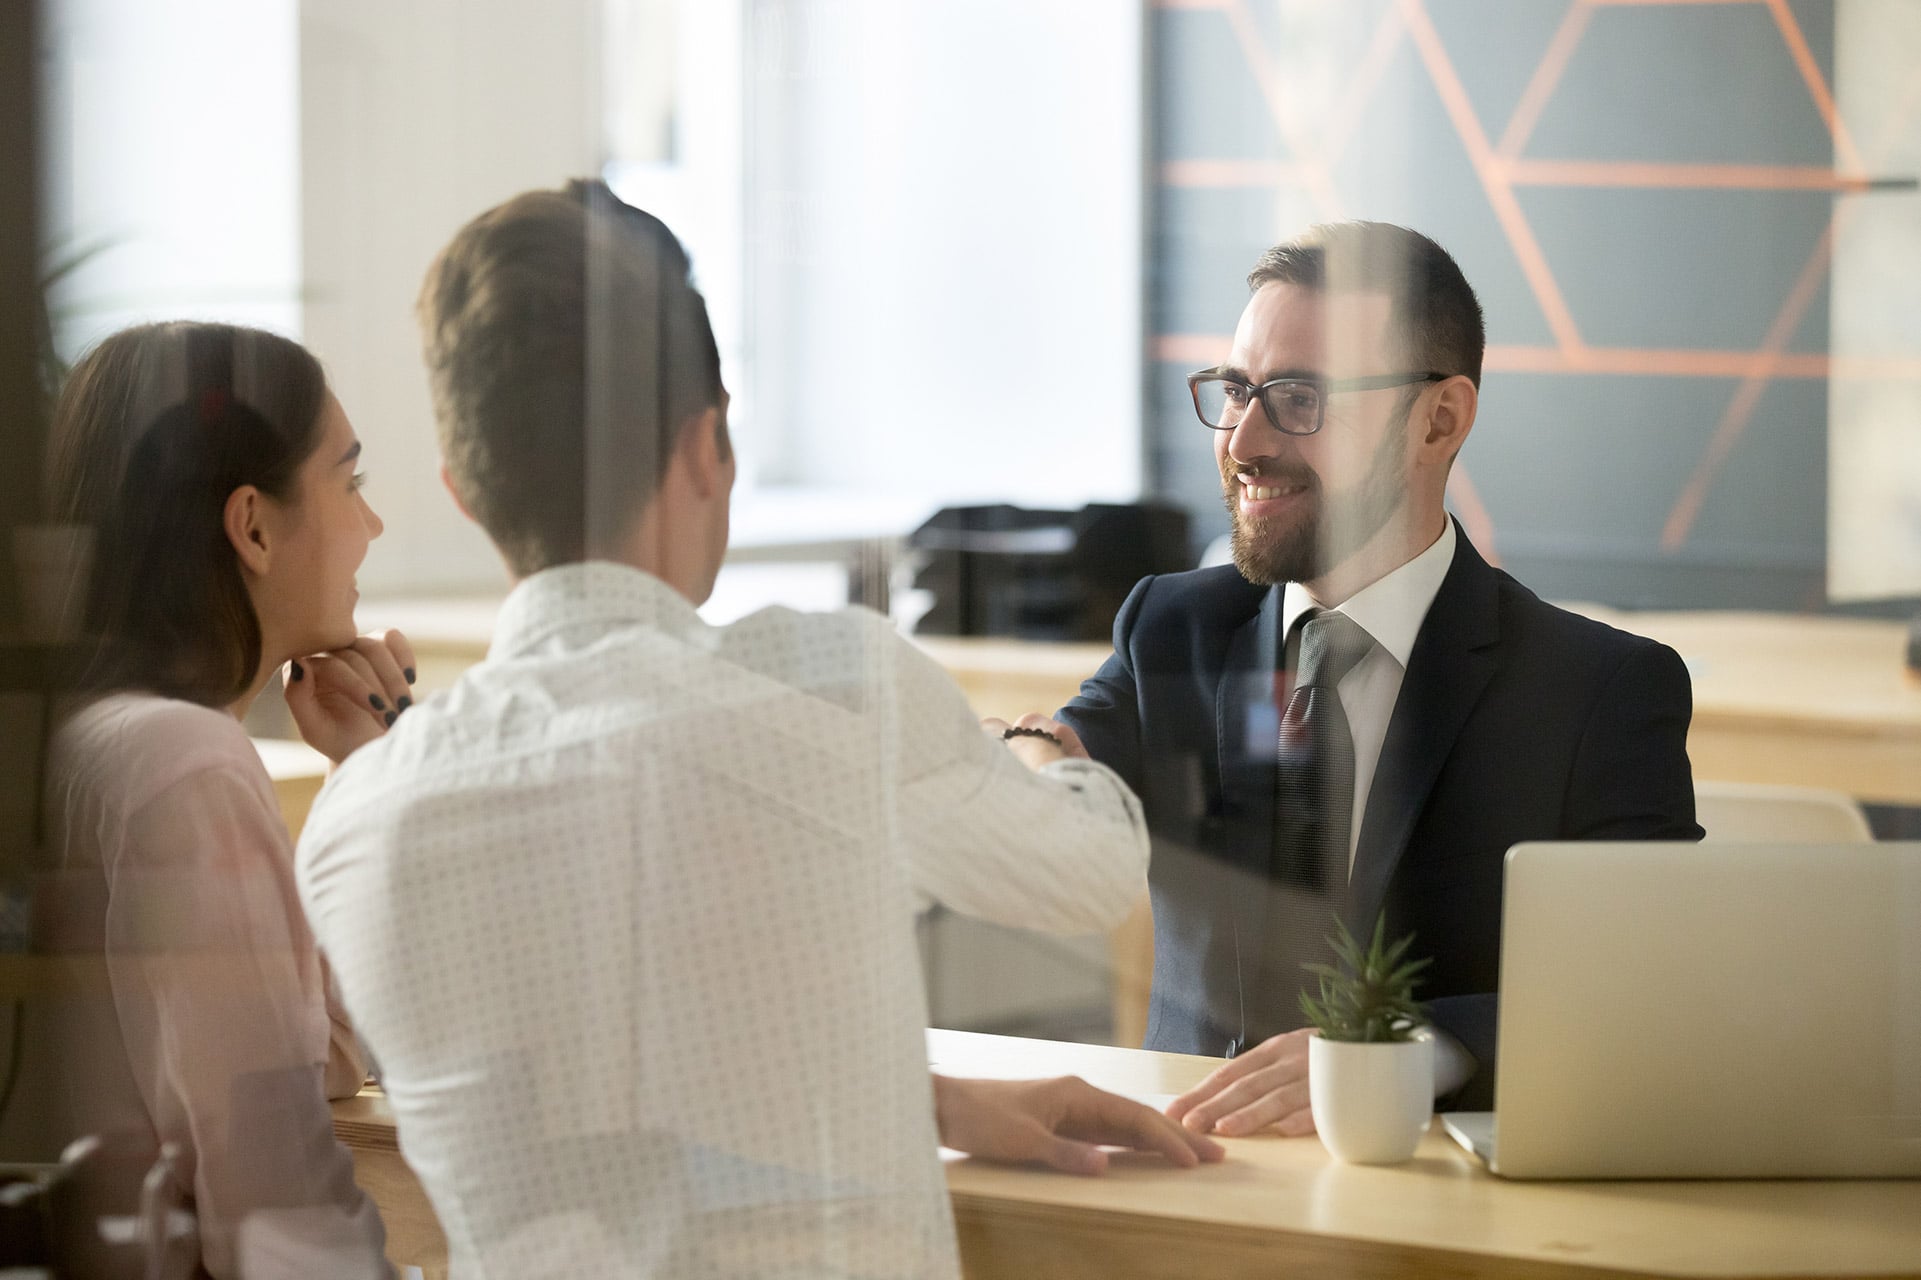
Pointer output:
1516, 721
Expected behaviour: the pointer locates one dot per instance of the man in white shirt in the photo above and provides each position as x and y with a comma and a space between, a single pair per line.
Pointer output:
1360, 716
627, 915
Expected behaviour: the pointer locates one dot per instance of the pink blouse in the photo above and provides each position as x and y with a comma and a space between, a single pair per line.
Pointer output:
221, 1033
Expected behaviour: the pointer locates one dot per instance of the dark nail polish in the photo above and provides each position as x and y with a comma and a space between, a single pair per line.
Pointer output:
404, 702
409, 673
391, 717
298, 671
380, 703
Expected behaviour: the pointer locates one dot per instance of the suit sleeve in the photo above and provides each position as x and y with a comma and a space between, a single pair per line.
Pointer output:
1106, 713
1631, 776
1630, 781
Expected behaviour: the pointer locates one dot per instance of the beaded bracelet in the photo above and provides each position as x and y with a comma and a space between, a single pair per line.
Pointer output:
1030, 733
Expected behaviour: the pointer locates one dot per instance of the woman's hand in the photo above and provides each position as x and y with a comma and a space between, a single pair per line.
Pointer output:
345, 698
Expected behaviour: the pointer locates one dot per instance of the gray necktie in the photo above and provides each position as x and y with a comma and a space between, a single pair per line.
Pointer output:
1314, 790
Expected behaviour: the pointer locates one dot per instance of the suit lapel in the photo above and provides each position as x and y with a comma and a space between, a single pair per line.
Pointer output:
1447, 671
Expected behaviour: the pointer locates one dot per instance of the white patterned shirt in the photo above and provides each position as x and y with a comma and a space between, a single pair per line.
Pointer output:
627, 918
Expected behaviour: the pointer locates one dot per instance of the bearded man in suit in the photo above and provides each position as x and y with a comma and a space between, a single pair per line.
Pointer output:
1359, 716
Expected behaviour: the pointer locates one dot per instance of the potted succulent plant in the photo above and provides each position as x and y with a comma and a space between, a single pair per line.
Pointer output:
1371, 1062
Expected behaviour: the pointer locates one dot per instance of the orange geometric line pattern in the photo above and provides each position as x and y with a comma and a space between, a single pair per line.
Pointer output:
1501, 168
1507, 210
1547, 75
1367, 77
1555, 173
1650, 362
1747, 396
1643, 173
1315, 175
1817, 86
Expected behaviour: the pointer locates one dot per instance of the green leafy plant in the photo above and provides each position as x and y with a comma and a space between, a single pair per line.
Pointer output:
60, 261
1367, 996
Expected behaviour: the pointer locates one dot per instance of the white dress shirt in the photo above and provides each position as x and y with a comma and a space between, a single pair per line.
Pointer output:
627, 918
1391, 611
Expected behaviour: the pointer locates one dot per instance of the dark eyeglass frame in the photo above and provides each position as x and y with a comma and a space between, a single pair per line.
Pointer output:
1322, 387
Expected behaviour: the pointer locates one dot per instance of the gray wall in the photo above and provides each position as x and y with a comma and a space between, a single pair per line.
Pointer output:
1578, 472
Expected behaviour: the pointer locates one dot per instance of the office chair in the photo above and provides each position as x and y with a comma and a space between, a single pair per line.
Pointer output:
1753, 811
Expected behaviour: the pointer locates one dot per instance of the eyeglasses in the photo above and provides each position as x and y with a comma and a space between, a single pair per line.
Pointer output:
1296, 406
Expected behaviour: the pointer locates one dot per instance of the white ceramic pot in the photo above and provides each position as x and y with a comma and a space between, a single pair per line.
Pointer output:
1371, 1102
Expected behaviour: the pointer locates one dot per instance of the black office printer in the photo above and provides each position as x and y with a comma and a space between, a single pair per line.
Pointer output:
1042, 575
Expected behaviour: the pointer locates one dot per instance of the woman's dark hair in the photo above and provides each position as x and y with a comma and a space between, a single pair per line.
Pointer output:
155, 428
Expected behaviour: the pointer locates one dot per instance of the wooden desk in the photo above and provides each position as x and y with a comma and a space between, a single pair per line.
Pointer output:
1811, 701
298, 772
414, 1238
1008, 678
1281, 1206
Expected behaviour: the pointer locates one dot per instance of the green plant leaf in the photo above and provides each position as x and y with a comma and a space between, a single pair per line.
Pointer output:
1367, 994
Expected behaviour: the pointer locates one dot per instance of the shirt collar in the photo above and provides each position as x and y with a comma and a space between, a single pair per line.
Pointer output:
593, 594
1391, 609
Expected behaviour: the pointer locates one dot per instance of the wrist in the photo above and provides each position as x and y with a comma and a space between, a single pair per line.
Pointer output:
946, 1091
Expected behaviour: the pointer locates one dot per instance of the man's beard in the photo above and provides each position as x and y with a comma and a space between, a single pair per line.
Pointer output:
1322, 533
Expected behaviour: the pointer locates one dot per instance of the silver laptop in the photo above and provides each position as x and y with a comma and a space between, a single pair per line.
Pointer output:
1707, 1011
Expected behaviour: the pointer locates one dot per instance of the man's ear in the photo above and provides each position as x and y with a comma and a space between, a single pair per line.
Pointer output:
1450, 417
703, 455
243, 519
447, 482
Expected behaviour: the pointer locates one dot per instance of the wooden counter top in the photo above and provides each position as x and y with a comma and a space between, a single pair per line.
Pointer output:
1283, 1206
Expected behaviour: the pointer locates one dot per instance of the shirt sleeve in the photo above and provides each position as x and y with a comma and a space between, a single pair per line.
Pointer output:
1453, 1064
220, 991
1063, 849
347, 1059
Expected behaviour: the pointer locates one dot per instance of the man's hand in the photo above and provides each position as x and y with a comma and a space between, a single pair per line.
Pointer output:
1060, 1122
1035, 752
1267, 1085
344, 699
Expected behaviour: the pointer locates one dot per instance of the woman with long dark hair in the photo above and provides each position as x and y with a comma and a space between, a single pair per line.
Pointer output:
219, 477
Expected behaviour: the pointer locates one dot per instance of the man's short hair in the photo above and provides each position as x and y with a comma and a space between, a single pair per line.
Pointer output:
567, 349
1435, 311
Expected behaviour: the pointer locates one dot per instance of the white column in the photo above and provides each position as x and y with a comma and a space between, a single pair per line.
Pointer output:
415, 117
1874, 395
